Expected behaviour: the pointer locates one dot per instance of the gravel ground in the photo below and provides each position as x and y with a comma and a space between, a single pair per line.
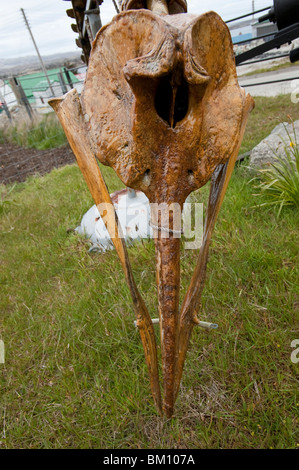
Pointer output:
17, 163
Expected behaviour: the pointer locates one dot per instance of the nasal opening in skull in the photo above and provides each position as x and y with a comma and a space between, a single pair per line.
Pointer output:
171, 102
163, 99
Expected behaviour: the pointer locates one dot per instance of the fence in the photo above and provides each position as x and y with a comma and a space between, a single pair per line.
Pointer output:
33, 91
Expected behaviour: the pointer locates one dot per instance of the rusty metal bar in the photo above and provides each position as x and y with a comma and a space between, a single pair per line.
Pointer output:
202, 324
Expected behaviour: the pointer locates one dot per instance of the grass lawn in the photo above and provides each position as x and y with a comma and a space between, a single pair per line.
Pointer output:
75, 375
267, 114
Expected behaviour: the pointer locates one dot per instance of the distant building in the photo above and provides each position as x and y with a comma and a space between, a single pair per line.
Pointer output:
260, 29
251, 29
81, 73
7, 94
38, 91
42, 92
241, 37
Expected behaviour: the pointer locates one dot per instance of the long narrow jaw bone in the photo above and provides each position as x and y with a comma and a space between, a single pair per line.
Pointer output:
162, 106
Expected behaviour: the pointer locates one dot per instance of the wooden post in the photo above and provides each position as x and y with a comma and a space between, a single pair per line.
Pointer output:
68, 77
20, 95
62, 82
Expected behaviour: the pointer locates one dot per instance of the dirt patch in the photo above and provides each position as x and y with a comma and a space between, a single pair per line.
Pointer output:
17, 163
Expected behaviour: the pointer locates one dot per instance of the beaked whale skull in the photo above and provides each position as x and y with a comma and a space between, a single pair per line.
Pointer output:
162, 106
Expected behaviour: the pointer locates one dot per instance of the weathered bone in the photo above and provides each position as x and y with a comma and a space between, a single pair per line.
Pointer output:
162, 106
69, 110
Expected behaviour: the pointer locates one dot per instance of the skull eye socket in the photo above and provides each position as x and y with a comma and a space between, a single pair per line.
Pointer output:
171, 102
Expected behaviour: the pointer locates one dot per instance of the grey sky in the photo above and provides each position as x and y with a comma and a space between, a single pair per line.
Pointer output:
51, 26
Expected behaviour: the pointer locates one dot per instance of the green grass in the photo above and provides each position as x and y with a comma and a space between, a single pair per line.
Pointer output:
75, 375
280, 181
43, 133
267, 114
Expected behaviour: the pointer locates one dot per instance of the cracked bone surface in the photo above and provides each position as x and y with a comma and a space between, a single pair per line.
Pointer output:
162, 106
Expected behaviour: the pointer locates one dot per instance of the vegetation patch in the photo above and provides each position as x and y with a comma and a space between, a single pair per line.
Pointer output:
42, 133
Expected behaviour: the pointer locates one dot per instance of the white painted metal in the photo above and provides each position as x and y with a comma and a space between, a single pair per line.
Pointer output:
133, 213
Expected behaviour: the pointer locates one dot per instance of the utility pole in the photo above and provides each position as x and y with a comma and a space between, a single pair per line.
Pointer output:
37, 51
116, 6
253, 9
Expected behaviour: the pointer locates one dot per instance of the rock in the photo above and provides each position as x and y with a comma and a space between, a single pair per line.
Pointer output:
274, 145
